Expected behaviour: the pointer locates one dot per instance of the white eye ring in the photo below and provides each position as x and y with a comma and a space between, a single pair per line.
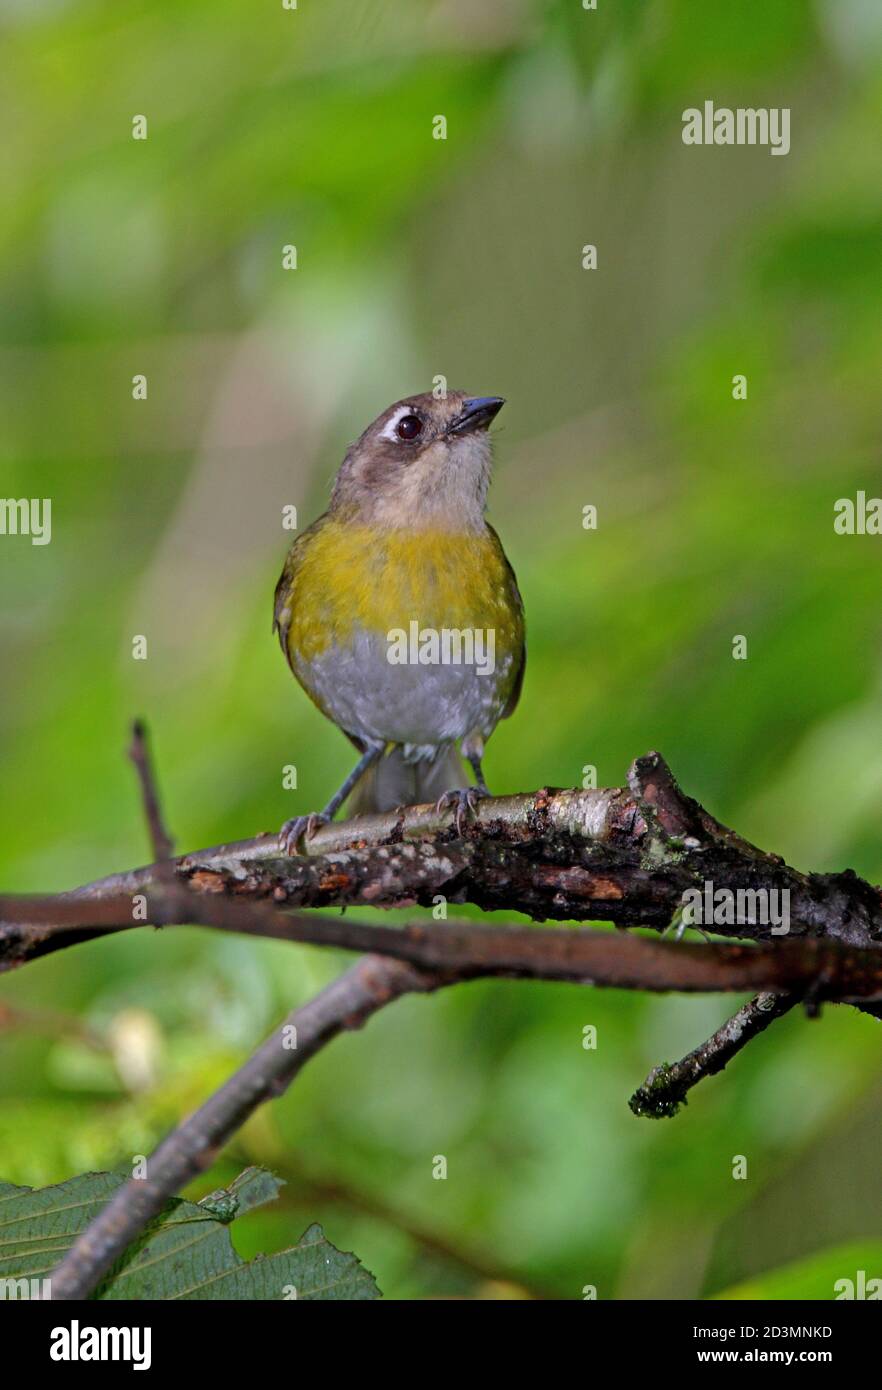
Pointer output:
391, 430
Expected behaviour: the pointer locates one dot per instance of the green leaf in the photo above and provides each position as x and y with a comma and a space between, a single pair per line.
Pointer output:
186, 1253
253, 1188
842, 1271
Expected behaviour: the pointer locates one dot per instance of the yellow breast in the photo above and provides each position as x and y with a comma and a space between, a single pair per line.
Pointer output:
341, 576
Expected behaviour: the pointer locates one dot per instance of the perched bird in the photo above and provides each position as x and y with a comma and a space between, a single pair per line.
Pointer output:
399, 613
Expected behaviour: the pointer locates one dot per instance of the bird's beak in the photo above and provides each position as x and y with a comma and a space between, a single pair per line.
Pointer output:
476, 414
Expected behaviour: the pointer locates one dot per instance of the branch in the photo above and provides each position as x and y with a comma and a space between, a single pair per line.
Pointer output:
665, 1089
624, 854
139, 753
824, 969
347, 1003
455, 953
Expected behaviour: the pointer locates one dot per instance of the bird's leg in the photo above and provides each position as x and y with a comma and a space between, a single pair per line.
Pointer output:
293, 831
466, 798
474, 757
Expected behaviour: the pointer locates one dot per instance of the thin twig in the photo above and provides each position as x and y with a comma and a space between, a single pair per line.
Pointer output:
139, 752
666, 1087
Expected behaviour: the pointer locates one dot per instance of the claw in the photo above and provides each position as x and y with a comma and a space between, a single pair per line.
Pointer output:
466, 801
300, 828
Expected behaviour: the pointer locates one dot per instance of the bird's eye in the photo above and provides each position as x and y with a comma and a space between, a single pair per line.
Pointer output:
408, 427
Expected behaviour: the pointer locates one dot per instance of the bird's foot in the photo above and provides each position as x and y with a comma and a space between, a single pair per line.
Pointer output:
300, 828
465, 799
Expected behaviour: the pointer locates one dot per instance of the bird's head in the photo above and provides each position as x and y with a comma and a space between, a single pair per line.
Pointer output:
424, 463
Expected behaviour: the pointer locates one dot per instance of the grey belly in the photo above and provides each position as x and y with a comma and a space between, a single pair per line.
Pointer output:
419, 707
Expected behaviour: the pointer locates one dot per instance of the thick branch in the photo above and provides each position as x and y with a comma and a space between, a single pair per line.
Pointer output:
625, 855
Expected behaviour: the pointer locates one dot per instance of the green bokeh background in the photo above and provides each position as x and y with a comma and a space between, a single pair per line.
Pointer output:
419, 257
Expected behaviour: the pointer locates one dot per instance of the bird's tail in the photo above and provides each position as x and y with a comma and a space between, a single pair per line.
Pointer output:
392, 782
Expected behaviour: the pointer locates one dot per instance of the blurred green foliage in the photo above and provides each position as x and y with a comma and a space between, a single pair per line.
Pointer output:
462, 257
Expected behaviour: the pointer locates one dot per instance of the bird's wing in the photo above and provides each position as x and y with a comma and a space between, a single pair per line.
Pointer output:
282, 611
282, 605
515, 695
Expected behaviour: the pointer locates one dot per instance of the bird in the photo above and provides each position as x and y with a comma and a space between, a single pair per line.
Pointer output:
399, 613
